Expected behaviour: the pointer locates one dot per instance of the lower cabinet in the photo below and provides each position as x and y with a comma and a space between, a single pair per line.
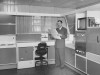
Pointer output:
77, 61
7, 56
81, 63
25, 53
51, 55
93, 68
70, 56
25, 57
51, 52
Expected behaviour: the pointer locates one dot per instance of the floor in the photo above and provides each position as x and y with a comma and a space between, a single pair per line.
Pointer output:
43, 70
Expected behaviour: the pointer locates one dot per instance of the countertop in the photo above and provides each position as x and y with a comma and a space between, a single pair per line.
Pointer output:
68, 44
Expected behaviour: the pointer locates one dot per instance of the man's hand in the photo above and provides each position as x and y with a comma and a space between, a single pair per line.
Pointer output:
60, 35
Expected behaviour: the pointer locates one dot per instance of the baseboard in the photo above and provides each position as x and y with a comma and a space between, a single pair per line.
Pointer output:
25, 64
75, 69
8, 66
51, 61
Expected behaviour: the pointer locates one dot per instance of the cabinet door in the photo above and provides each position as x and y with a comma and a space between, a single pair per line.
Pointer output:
93, 68
51, 52
93, 40
70, 56
7, 55
7, 29
27, 24
81, 63
25, 53
20, 24
24, 24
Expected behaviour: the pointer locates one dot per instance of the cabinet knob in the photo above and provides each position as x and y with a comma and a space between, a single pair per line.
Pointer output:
97, 39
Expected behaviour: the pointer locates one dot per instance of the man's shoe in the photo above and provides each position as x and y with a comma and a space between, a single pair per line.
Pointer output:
62, 67
57, 65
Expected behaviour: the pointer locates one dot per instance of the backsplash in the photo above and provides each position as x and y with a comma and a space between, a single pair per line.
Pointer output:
28, 37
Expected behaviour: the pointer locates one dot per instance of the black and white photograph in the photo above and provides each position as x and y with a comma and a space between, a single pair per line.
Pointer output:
49, 37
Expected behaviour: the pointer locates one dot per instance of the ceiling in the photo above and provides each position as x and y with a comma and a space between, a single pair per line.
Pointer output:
72, 4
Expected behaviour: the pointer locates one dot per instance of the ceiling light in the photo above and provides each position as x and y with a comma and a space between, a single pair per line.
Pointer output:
43, 0
38, 0
46, 0
9, 2
81, 0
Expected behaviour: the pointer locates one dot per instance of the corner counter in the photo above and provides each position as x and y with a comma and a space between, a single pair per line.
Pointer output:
70, 45
70, 53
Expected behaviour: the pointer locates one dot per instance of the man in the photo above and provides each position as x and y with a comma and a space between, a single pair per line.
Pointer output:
60, 45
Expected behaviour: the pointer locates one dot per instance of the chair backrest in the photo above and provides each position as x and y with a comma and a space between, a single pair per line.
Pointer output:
41, 49
42, 45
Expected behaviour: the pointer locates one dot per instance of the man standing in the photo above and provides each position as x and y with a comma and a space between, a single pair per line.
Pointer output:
60, 45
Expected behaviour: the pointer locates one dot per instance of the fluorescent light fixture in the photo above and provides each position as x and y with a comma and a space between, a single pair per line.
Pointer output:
38, 14
30, 14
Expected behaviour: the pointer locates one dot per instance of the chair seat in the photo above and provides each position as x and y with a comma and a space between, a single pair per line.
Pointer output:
39, 63
39, 58
41, 52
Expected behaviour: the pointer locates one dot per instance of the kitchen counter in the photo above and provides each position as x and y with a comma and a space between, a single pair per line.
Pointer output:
68, 44
35, 43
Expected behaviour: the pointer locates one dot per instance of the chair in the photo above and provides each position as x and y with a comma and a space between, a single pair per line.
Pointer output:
42, 50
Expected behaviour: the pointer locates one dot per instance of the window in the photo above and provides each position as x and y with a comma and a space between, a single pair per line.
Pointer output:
36, 24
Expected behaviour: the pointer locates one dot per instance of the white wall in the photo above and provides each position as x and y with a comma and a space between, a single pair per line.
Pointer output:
95, 14
95, 7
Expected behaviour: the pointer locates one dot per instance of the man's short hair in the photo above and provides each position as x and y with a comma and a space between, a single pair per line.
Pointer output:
60, 21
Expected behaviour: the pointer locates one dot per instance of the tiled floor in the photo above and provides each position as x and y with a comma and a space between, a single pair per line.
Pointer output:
44, 70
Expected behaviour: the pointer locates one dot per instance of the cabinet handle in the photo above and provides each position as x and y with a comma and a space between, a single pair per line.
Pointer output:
97, 39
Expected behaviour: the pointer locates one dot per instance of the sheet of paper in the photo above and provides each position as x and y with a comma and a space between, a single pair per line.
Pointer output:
44, 37
54, 33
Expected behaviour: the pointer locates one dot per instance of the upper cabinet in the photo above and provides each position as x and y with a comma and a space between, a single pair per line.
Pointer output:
29, 24
87, 19
24, 24
47, 23
7, 19
35, 24
93, 19
7, 24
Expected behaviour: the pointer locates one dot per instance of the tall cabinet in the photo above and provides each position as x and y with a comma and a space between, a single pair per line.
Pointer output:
7, 41
88, 54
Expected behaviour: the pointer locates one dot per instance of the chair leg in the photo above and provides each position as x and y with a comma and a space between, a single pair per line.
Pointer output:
35, 63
